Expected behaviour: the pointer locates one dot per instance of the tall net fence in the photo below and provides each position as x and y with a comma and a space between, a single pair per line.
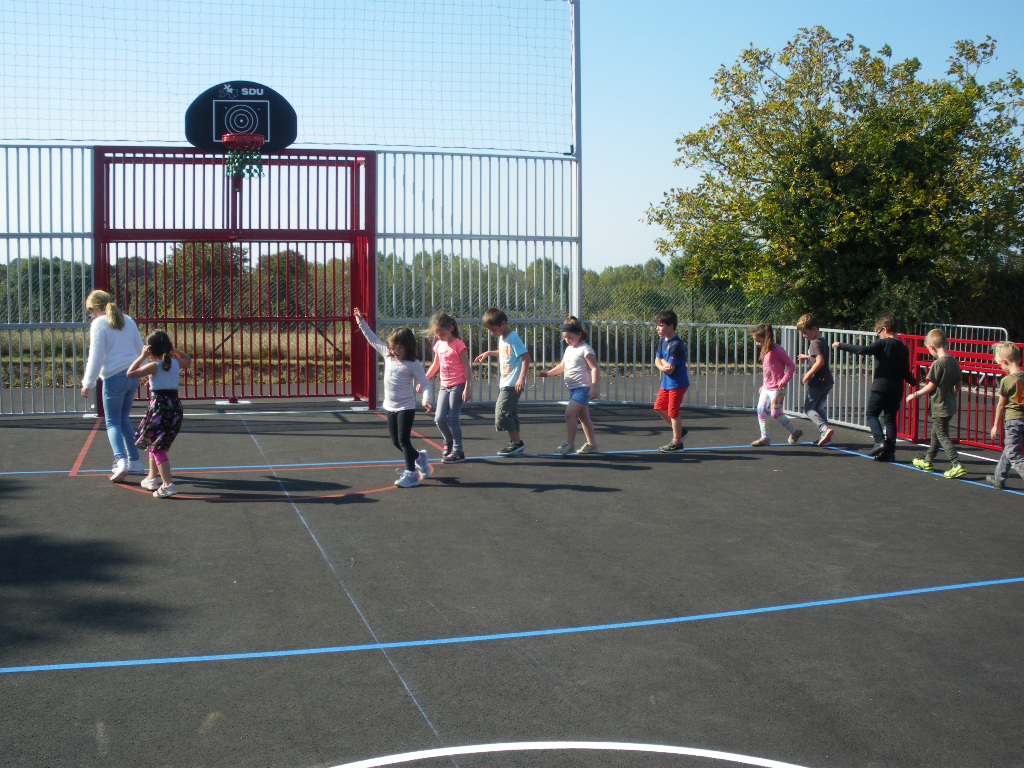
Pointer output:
640, 299
470, 74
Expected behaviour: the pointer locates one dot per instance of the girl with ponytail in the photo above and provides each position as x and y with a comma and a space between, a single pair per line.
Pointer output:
778, 371
114, 341
163, 364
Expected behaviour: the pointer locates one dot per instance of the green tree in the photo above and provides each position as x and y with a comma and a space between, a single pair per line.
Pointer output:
41, 290
205, 280
840, 177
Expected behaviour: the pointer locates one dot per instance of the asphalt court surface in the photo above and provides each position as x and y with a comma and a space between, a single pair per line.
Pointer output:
726, 606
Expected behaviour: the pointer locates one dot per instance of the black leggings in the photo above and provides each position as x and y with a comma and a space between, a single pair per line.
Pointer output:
400, 429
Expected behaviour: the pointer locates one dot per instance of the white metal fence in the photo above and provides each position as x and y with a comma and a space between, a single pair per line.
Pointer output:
456, 233
724, 369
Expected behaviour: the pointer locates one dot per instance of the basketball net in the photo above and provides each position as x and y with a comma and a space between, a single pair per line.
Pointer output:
243, 157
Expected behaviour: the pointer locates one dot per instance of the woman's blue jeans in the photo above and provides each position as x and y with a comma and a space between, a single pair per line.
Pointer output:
118, 395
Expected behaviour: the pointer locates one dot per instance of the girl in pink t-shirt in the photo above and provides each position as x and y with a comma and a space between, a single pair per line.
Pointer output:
451, 358
778, 370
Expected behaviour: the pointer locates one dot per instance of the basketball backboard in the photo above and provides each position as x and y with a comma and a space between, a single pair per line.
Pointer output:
240, 106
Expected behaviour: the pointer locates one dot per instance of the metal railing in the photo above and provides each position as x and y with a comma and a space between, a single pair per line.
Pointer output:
724, 369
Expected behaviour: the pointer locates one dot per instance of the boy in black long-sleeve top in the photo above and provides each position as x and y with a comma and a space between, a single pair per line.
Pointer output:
892, 368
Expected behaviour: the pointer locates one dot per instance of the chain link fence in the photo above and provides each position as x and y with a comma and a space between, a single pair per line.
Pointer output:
640, 299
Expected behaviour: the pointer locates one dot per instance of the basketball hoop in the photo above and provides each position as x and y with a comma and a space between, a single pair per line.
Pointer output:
243, 157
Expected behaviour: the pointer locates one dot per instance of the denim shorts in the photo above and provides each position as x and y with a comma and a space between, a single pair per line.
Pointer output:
580, 395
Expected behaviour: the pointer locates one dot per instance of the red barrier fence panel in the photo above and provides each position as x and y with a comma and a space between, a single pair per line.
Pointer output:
979, 393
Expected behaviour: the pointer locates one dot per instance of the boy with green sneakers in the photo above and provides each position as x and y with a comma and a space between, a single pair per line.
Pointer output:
943, 384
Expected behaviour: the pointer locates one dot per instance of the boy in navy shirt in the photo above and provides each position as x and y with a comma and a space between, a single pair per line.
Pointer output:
671, 361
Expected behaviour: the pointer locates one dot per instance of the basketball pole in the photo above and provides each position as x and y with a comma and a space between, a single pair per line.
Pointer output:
576, 283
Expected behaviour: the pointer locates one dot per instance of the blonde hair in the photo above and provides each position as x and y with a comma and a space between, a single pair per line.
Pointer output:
806, 322
1007, 352
765, 335
101, 301
936, 338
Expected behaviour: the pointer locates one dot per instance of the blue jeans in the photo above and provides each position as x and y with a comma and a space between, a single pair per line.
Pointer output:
118, 395
449, 406
886, 405
814, 404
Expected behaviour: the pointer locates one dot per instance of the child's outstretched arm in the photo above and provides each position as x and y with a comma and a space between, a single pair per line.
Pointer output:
927, 389
789, 367
140, 367
184, 361
997, 420
371, 337
521, 383
556, 371
484, 355
435, 366
467, 391
423, 384
819, 363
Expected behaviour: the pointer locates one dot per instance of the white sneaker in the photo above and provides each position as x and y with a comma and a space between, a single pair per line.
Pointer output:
165, 491
408, 479
120, 471
423, 465
137, 468
587, 448
150, 483
564, 448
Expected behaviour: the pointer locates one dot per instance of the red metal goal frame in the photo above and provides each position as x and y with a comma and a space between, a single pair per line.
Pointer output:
180, 200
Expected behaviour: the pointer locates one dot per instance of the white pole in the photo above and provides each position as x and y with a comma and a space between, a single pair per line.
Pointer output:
576, 283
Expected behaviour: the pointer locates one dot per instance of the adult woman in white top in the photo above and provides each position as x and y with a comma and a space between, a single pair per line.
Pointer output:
114, 343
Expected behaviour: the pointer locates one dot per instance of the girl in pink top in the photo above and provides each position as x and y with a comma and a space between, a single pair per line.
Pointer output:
451, 358
778, 370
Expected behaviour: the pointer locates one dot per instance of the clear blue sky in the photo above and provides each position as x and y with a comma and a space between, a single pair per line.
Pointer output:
646, 81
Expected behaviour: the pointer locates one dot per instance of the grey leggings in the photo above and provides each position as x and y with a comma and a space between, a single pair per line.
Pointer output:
940, 436
449, 406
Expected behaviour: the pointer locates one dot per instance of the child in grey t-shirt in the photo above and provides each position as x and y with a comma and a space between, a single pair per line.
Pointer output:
943, 384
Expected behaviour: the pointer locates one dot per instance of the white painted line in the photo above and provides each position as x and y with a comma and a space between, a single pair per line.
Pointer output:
522, 746
228, 402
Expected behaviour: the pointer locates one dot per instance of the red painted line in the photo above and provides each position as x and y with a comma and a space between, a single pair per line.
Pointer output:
85, 448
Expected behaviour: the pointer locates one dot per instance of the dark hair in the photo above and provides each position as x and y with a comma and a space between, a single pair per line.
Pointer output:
160, 344
889, 322
444, 320
493, 317
572, 324
766, 335
406, 339
667, 317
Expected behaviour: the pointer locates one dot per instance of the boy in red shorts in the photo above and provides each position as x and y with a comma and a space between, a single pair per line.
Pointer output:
671, 361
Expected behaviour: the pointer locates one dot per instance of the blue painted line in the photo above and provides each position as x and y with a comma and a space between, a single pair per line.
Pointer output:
506, 635
978, 483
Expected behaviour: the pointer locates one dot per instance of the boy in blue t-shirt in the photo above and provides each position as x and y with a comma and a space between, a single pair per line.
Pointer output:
671, 361
514, 364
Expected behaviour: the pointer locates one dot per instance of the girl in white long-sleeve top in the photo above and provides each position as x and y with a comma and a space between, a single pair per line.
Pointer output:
402, 372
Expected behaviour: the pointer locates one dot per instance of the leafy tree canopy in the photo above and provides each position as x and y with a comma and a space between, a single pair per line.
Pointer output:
839, 176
